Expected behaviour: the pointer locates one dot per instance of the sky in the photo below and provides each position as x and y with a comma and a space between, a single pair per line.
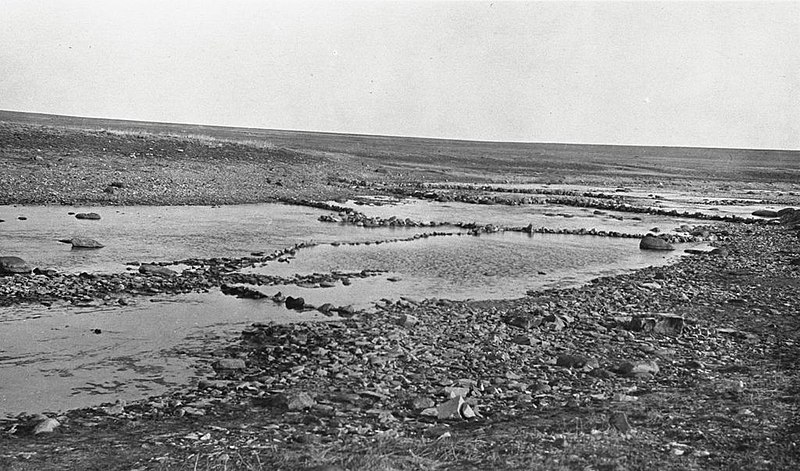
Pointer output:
706, 74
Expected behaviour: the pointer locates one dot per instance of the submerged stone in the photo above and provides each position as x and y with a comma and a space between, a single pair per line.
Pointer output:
83, 243
148, 269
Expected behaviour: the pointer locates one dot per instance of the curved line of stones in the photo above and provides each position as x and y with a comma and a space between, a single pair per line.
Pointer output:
581, 202
562, 192
47, 286
352, 217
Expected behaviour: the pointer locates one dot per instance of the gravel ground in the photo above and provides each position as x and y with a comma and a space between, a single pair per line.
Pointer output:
586, 377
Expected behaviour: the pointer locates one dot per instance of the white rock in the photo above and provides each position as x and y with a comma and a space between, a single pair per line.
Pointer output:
46, 426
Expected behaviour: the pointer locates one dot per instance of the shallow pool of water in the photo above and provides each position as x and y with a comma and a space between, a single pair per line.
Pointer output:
491, 266
715, 203
167, 233
63, 357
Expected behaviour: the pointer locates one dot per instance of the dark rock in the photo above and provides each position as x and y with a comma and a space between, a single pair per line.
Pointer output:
765, 213
346, 311
13, 265
91, 216
326, 308
295, 303
572, 361
651, 242
48, 272
242, 292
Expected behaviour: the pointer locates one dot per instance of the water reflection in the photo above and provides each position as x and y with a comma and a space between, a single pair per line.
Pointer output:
168, 233
65, 357
493, 266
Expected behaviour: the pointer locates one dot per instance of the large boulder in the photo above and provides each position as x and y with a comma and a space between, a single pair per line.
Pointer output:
13, 265
765, 213
651, 242
83, 243
295, 303
790, 217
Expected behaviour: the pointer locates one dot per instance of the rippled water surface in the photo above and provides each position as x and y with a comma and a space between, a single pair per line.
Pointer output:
491, 266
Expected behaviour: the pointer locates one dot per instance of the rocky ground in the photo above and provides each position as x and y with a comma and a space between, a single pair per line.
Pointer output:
57, 166
689, 366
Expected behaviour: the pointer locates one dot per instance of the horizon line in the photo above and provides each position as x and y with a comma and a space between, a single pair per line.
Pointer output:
397, 136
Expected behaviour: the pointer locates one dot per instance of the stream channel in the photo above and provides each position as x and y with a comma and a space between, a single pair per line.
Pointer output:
63, 356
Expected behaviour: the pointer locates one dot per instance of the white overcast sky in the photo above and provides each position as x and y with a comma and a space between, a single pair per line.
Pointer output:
720, 74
